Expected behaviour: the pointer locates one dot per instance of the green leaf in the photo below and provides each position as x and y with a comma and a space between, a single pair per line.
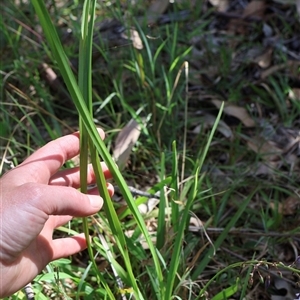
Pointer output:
228, 292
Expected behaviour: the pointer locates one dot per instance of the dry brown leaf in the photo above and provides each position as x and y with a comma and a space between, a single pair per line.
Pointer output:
264, 169
125, 141
156, 8
221, 5
236, 111
294, 94
255, 8
291, 205
208, 121
238, 26
271, 70
264, 60
291, 64
266, 149
135, 38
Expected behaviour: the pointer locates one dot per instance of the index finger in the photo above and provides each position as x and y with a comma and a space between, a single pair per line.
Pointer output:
46, 161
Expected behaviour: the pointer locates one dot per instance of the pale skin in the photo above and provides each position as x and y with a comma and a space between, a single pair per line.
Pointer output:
35, 198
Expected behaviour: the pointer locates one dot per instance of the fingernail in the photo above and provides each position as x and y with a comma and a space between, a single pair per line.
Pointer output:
96, 201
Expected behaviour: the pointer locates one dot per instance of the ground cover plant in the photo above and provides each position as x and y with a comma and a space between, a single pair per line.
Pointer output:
200, 101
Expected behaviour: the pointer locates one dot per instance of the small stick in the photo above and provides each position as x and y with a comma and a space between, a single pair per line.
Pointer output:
137, 192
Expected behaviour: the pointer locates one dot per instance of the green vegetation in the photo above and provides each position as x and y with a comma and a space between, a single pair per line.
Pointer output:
219, 114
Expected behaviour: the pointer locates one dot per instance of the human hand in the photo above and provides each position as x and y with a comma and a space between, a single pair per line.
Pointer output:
36, 198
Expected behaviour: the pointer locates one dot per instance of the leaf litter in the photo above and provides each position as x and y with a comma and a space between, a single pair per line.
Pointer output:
264, 132
243, 44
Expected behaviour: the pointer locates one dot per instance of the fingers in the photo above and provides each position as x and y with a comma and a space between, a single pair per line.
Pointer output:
71, 177
68, 246
57, 200
56, 221
95, 191
45, 162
